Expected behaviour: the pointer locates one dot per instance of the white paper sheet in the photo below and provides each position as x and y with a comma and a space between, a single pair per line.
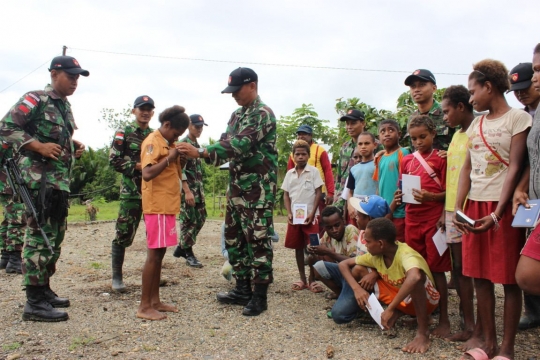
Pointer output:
408, 183
375, 309
299, 213
440, 241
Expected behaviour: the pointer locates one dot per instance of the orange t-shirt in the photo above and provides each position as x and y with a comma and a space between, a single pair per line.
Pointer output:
161, 195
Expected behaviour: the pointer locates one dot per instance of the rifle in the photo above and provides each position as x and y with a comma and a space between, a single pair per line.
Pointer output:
17, 183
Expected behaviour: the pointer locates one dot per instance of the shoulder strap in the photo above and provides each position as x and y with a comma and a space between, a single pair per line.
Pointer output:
428, 168
496, 154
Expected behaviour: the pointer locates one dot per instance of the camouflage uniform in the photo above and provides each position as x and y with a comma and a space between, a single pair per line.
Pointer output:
192, 218
12, 227
444, 132
250, 146
345, 163
125, 153
45, 116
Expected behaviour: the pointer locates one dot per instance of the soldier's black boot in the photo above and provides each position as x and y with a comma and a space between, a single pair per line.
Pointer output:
258, 302
191, 260
4, 258
118, 253
53, 299
179, 252
531, 316
39, 309
240, 295
14, 265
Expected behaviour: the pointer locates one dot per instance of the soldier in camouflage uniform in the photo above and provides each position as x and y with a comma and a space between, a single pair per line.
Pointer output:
12, 227
250, 146
40, 127
193, 208
125, 157
355, 125
422, 86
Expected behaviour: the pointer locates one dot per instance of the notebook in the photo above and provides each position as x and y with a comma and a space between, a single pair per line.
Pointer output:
527, 217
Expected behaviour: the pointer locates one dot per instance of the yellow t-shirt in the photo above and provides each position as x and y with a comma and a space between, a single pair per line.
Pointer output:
161, 195
405, 259
455, 158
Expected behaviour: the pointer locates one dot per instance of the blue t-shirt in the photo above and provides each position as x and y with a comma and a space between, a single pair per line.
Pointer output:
388, 176
361, 179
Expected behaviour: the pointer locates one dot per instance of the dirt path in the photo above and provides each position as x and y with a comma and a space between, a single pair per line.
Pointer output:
103, 325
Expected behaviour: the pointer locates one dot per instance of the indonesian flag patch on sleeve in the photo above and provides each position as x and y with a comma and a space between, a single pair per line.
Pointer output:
119, 137
28, 103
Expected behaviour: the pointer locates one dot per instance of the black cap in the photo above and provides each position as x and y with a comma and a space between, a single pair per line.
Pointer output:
197, 120
143, 100
420, 74
520, 76
305, 129
353, 114
239, 77
68, 64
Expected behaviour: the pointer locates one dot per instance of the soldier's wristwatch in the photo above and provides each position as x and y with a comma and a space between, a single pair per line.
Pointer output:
201, 152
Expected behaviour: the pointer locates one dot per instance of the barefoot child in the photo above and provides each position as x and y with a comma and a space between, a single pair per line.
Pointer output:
421, 219
302, 185
405, 283
458, 112
387, 171
161, 171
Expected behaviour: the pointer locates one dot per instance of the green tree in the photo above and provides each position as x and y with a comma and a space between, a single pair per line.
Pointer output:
115, 119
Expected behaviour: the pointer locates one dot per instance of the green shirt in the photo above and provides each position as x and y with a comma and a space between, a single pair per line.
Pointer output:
249, 145
444, 132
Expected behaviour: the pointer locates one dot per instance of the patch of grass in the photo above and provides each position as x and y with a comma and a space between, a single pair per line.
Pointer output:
149, 348
107, 211
96, 265
78, 342
11, 347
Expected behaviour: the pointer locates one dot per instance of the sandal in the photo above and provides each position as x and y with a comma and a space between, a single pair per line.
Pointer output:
315, 287
299, 285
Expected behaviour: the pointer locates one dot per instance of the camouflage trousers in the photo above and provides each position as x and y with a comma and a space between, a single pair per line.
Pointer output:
13, 224
38, 263
247, 239
129, 217
192, 219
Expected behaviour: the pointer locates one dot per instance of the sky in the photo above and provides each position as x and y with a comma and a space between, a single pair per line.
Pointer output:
391, 38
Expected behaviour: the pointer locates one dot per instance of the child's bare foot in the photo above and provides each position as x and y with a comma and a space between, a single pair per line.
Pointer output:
460, 336
164, 307
470, 344
420, 344
150, 314
442, 330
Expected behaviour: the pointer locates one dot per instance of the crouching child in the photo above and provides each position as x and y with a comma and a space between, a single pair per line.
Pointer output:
405, 283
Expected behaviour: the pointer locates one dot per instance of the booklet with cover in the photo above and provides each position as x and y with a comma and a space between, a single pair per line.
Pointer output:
299, 213
527, 217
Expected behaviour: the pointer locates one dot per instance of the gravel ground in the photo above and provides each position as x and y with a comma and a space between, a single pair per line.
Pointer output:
103, 325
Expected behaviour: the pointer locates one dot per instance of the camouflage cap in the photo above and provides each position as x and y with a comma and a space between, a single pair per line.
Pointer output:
68, 64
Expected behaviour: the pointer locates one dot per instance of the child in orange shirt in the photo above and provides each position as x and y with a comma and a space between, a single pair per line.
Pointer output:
162, 173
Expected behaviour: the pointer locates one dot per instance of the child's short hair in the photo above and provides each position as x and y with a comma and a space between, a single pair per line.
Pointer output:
422, 120
329, 211
382, 229
367, 133
301, 144
390, 122
176, 116
493, 71
456, 94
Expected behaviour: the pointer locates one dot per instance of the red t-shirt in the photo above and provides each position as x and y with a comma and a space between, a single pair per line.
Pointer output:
411, 166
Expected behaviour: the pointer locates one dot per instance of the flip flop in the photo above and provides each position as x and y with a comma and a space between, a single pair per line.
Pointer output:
500, 357
476, 354
315, 287
299, 285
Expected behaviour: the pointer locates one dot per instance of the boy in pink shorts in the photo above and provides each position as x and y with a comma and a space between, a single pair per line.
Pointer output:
162, 173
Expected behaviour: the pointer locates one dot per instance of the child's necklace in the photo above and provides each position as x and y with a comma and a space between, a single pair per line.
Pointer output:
418, 167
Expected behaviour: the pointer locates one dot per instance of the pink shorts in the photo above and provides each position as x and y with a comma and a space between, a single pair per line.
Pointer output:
160, 230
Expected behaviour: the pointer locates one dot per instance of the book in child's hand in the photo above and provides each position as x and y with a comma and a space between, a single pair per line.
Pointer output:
408, 183
527, 217
299, 214
314, 240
